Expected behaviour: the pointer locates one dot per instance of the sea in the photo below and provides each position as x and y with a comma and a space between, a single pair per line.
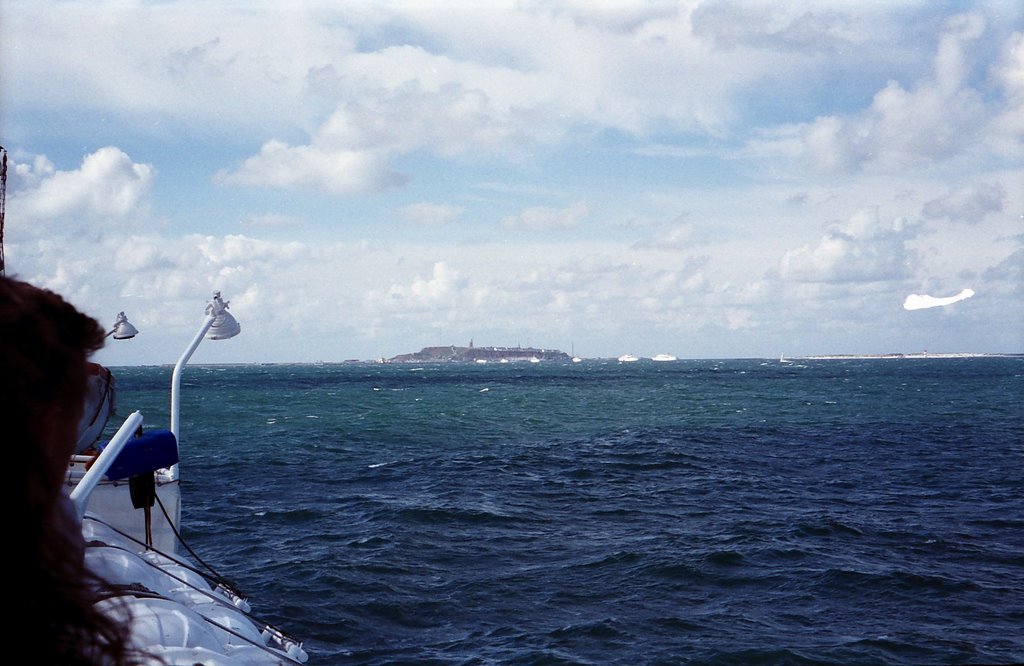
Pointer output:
817, 511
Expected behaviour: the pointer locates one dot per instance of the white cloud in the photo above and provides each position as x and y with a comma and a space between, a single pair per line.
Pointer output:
940, 117
214, 67
967, 205
145, 255
311, 167
350, 153
1010, 270
861, 250
786, 26
497, 79
676, 236
492, 81
443, 287
1007, 127
106, 185
509, 107
219, 251
542, 218
30, 175
1009, 71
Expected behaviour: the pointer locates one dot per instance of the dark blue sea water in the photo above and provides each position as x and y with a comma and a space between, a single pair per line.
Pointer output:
721, 512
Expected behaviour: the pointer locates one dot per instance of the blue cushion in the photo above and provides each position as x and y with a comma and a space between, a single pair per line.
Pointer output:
152, 451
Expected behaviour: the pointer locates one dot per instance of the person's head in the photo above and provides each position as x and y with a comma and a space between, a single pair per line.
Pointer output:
44, 346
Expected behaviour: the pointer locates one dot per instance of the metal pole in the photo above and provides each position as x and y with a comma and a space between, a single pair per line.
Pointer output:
80, 495
176, 377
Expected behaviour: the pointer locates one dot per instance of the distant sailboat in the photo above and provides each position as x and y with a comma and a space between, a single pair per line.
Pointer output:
782, 359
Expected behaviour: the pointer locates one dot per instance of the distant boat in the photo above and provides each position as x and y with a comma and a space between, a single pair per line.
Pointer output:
664, 357
534, 359
628, 358
576, 359
481, 360
782, 359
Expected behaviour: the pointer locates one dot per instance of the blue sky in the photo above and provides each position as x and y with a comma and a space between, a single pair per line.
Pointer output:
706, 179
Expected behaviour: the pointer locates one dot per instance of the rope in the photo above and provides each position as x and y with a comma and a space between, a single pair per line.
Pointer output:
212, 577
108, 382
140, 591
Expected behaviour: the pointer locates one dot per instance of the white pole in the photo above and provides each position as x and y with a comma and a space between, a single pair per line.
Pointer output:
176, 377
80, 495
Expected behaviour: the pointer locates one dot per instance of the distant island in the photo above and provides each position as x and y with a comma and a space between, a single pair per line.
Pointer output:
473, 354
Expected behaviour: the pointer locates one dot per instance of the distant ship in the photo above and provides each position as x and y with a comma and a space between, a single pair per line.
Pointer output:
664, 357
628, 358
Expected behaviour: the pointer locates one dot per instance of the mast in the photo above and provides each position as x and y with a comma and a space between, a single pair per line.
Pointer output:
3, 199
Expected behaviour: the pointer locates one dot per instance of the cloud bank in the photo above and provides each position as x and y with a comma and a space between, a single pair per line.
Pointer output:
706, 178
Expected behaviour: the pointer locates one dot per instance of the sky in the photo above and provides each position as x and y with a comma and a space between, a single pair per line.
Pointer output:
724, 179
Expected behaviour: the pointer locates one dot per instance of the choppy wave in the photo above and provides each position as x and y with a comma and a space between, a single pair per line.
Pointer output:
727, 512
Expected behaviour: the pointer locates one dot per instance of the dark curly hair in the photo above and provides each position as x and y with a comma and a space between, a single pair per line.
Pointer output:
44, 347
